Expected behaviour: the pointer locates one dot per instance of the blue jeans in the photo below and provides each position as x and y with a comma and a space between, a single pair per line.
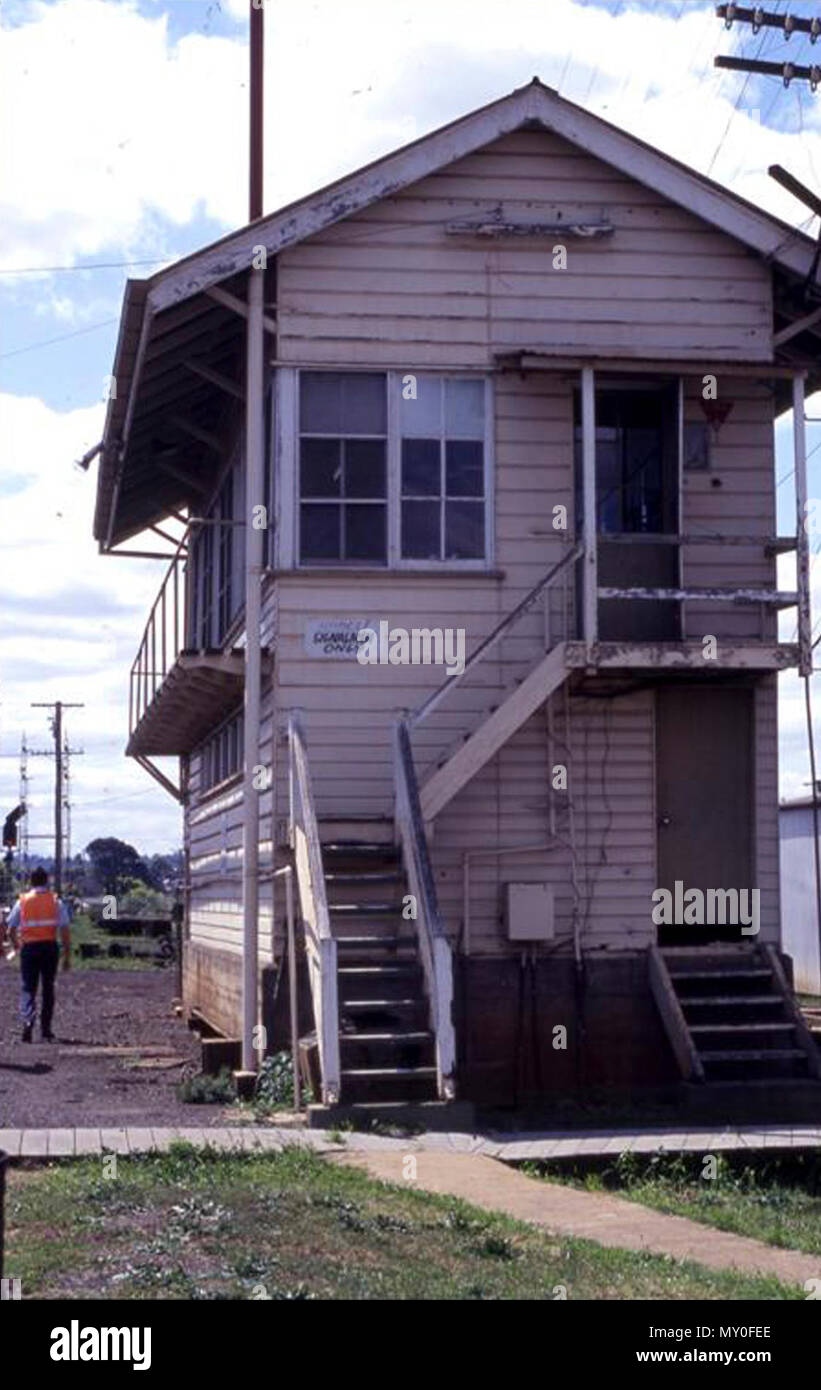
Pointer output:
38, 961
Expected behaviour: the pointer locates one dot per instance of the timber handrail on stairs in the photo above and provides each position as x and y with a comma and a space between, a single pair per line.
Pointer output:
501, 720
434, 947
487, 645
320, 945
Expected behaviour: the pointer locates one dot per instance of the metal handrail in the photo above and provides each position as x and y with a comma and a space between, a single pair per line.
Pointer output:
495, 636
434, 947
320, 945
163, 637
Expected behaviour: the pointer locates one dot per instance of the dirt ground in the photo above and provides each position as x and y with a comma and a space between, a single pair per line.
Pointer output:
118, 1058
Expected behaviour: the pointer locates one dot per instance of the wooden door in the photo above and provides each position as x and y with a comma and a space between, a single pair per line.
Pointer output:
704, 797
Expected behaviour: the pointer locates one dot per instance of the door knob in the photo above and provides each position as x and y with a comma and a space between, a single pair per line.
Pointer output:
665, 820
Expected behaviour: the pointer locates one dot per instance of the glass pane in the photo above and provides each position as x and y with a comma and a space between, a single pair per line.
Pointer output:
364, 468
420, 531
464, 409
464, 469
364, 403
320, 531
422, 416
320, 468
421, 469
464, 531
320, 402
366, 532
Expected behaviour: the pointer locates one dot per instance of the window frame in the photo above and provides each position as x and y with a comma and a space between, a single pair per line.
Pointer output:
217, 767
287, 456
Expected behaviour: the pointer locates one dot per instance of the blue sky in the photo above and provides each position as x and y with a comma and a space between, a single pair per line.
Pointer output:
123, 145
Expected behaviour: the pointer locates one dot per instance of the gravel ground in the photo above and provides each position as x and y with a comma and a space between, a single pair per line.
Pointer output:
120, 1053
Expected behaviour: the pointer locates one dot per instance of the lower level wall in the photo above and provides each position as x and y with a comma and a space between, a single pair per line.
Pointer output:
212, 986
506, 1011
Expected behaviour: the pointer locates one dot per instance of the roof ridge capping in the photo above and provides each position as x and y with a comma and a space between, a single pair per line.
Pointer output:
533, 104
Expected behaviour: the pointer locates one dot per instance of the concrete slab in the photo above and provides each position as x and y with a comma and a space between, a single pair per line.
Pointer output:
140, 1140
10, 1141
87, 1141
61, 1143
34, 1143
115, 1140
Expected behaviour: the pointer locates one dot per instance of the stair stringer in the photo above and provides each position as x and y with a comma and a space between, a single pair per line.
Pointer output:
494, 732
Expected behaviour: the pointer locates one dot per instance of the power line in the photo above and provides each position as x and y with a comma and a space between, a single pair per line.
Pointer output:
99, 265
64, 337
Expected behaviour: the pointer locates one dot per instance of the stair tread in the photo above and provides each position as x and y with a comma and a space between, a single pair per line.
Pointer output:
388, 1071
364, 876
375, 941
742, 1028
348, 1004
376, 969
756, 972
423, 1035
746, 999
365, 909
753, 1054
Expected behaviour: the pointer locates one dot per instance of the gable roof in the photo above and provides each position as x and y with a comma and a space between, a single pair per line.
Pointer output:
534, 106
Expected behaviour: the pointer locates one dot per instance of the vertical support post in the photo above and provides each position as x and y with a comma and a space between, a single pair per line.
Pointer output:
802, 536
255, 473
590, 601
58, 798
289, 901
255, 200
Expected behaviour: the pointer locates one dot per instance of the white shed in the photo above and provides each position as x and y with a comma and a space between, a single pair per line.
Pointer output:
799, 914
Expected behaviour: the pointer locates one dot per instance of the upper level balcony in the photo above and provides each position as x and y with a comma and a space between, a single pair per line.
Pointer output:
186, 677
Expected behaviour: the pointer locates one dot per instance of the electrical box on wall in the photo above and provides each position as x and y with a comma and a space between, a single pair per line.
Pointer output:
529, 911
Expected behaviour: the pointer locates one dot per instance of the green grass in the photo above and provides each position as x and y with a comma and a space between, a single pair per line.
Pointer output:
84, 930
200, 1224
776, 1200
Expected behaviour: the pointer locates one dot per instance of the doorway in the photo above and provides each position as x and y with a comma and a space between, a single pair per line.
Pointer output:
637, 504
704, 797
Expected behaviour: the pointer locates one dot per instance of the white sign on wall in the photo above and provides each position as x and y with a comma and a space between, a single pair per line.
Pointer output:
335, 639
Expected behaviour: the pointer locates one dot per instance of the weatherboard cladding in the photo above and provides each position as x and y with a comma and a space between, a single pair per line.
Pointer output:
386, 287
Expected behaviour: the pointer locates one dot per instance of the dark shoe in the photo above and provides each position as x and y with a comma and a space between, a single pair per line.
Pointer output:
48, 1037
27, 1032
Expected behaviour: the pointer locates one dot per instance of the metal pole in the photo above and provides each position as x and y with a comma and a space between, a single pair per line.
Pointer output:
58, 798
802, 533
590, 586
254, 554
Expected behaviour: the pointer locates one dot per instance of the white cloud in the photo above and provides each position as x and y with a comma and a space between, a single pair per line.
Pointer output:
108, 125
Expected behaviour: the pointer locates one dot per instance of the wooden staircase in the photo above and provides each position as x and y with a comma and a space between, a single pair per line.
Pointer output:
385, 1041
731, 1016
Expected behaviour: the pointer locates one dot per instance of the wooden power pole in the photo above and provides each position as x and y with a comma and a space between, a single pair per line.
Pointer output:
59, 752
789, 24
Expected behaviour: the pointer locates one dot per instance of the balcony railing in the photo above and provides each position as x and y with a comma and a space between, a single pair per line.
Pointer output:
163, 638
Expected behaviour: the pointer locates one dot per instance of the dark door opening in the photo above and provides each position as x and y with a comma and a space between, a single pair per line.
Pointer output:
704, 796
637, 499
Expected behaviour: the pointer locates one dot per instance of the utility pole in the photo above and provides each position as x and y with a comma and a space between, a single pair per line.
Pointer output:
60, 750
759, 18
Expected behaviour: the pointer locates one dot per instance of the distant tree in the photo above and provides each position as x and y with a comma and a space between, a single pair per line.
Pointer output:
113, 862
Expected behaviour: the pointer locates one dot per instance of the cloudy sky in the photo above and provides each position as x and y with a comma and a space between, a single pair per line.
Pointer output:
123, 145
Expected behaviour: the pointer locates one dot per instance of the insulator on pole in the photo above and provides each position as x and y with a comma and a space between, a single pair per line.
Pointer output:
758, 19
789, 74
729, 16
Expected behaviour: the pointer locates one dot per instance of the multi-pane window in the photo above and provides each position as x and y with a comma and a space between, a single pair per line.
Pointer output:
380, 485
443, 470
225, 575
222, 753
343, 488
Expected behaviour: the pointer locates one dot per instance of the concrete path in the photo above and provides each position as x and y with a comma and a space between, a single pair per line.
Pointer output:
555, 1146
609, 1221
467, 1166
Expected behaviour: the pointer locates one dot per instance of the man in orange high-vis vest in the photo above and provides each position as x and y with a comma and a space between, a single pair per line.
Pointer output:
35, 924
